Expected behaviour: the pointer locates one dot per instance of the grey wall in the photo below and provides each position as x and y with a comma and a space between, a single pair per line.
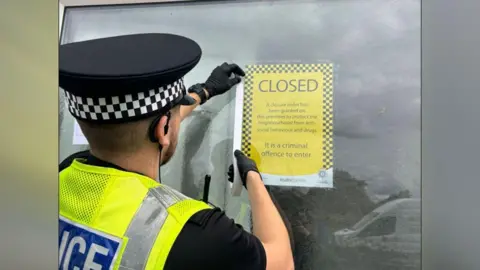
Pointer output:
450, 132
376, 48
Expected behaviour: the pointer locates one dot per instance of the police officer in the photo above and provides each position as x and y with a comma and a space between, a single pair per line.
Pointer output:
128, 96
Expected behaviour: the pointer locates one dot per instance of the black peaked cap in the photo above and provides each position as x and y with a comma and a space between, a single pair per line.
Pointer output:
126, 78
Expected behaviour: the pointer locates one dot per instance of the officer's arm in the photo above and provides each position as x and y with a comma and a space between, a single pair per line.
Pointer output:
268, 225
186, 110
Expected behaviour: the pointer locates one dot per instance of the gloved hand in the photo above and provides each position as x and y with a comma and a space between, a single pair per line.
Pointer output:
220, 82
245, 165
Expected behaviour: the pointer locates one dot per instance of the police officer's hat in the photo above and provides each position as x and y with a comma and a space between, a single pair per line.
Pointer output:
126, 78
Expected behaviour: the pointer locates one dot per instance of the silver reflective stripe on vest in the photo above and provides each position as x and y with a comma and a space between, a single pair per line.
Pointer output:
146, 224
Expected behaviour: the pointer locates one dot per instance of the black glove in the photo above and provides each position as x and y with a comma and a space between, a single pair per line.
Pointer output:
220, 82
245, 165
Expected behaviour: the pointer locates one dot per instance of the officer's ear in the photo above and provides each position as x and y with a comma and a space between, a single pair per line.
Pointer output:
161, 130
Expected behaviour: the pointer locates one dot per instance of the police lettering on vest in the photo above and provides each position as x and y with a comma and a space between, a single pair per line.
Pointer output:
81, 247
301, 85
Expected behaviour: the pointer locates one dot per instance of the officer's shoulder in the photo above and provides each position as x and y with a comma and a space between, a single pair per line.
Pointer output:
219, 242
68, 161
202, 217
216, 221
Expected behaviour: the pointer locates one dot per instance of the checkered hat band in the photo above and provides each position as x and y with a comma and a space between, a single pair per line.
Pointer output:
124, 107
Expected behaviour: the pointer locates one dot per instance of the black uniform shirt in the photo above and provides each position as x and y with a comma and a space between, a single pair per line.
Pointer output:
209, 240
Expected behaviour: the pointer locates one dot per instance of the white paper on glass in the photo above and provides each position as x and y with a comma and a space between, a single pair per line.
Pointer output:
78, 137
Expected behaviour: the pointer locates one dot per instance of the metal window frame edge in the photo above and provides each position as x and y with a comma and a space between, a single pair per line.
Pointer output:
63, 5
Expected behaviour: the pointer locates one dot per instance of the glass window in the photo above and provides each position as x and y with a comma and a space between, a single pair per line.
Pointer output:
380, 227
375, 46
365, 220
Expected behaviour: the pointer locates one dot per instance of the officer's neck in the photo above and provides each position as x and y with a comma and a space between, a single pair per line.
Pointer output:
145, 162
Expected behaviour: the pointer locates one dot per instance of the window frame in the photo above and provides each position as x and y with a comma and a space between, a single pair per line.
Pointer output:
63, 5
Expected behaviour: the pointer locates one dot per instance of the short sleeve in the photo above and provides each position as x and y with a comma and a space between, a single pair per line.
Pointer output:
211, 240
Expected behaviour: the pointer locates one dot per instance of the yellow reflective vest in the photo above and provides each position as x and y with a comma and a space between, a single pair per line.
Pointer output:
112, 219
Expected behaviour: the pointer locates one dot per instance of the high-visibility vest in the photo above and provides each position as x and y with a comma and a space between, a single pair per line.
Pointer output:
112, 219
